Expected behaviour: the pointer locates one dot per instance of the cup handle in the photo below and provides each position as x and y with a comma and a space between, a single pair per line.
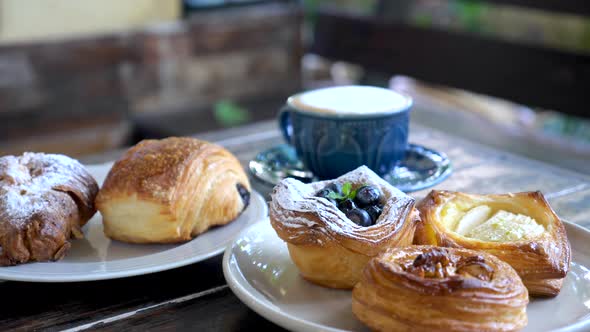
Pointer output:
285, 124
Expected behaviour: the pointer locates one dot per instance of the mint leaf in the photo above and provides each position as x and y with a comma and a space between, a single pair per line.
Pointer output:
334, 195
346, 189
347, 193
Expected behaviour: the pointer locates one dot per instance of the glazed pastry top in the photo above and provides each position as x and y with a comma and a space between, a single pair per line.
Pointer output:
447, 270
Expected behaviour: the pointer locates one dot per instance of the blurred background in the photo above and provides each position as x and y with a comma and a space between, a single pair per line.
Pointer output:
87, 77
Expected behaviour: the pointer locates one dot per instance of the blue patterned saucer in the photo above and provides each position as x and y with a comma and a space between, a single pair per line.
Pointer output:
421, 168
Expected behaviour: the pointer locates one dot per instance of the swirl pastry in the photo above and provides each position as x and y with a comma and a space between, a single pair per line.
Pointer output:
521, 229
426, 288
327, 246
170, 190
45, 199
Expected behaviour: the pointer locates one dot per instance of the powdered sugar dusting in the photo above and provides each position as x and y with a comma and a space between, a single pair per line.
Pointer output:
300, 214
27, 181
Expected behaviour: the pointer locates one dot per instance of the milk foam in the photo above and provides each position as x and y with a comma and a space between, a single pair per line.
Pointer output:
355, 99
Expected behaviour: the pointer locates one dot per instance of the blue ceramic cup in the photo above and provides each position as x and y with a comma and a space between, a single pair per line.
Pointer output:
335, 130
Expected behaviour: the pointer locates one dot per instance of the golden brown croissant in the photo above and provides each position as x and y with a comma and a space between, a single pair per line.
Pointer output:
327, 247
44, 200
170, 190
521, 229
426, 288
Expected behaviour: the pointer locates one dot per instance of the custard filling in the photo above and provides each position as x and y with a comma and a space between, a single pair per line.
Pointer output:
483, 223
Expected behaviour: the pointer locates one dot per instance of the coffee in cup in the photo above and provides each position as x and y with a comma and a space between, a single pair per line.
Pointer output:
335, 130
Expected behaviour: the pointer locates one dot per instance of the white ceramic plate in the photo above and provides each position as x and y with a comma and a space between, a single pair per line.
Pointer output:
258, 269
96, 257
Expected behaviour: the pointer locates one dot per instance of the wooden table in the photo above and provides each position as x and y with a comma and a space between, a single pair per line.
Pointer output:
197, 298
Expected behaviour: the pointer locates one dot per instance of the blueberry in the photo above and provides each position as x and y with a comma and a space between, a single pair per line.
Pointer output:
346, 205
244, 194
374, 211
359, 217
367, 195
335, 187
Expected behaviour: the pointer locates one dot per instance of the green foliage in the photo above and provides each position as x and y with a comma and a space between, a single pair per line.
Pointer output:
229, 114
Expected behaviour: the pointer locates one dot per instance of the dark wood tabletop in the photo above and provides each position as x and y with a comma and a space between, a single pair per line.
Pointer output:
196, 297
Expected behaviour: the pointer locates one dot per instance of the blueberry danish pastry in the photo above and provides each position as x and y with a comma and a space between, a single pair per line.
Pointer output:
332, 228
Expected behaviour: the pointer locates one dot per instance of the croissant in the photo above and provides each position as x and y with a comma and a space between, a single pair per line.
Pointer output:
170, 190
45, 199
426, 288
521, 229
327, 247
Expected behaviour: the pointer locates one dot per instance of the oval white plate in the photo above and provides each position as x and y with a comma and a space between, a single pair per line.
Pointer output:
96, 257
258, 269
